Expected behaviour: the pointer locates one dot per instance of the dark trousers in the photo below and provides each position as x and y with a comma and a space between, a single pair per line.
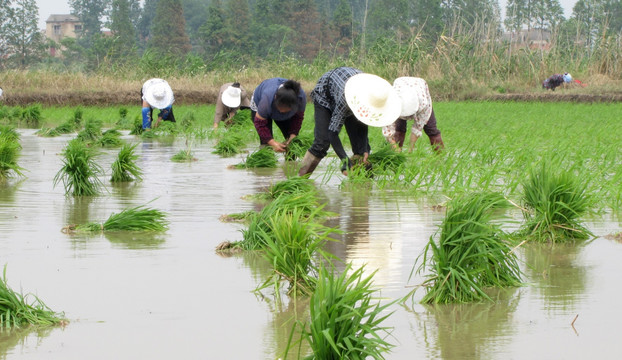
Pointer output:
430, 128
323, 138
283, 126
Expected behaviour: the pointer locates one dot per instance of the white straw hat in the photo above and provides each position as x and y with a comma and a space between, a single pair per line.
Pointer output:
0, 92
372, 100
407, 90
158, 93
232, 97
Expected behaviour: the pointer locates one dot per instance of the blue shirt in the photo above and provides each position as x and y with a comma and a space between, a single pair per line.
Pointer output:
264, 95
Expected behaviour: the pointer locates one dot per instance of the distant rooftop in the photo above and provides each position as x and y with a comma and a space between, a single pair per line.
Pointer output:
62, 18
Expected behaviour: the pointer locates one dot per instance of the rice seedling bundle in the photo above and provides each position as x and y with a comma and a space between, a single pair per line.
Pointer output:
299, 145
140, 218
32, 115
184, 156
17, 310
345, 321
92, 130
386, 158
229, 144
9, 152
79, 173
166, 128
242, 117
291, 242
78, 116
67, 127
124, 168
110, 139
262, 158
554, 204
291, 186
470, 254
47, 132
137, 126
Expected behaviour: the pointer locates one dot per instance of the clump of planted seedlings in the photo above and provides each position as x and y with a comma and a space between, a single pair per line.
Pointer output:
229, 144
124, 168
345, 320
262, 158
291, 186
140, 218
386, 159
137, 126
554, 200
32, 115
299, 145
79, 173
470, 255
292, 241
110, 139
184, 156
242, 117
166, 128
47, 132
18, 310
91, 132
9, 152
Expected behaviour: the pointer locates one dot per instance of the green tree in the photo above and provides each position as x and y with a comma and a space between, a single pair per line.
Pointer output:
517, 14
6, 14
547, 14
307, 35
195, 13
146, 19
124, 37
25, 39
212, 33
90, 13
168, 32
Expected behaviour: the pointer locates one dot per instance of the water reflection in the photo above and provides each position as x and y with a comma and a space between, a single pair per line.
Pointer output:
136, 240
7, 199
77, 210
284, 333
12, 339
558, 272
468, 331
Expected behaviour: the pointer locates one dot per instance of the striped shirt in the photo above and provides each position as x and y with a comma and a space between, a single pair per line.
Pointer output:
329, 92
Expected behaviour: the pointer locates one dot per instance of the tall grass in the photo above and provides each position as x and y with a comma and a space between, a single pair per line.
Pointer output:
18, 310
79, 173
124, 168
345, 320
554, 201
470, 254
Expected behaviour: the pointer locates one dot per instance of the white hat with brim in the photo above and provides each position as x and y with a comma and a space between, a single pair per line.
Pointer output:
158, 94
373, 100
232, 97
408, 93
0, 92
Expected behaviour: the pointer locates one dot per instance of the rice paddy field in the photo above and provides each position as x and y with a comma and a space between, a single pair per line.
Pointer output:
167, 292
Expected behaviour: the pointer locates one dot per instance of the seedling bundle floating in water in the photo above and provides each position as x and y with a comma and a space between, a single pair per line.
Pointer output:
80, 173
124, 168
9, 152
139, 218
262, 158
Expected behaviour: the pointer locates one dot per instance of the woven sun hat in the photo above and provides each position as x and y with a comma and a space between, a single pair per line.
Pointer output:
232, 97
567, 77
372, 100
408, 91
158, 93
0, 92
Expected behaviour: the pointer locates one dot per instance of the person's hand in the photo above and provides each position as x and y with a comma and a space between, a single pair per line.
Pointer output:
277, 146
291, 137
215, 126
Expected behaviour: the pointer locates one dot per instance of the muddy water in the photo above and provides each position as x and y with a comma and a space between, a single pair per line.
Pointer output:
170, 296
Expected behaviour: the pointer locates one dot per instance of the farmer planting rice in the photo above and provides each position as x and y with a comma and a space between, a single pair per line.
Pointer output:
556, 80
346, 96
417, 106
231, 97
284, 102
157, 93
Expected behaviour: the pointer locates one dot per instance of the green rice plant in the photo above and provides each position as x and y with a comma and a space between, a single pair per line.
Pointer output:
124, 168
241, 217
229, 144
137, 127
92, 130
554, 204
187, 121
78, 116
17, 310
241, 118
259, 223
110, 139
9, 152
184, 156
79, 173
292, 241
32, 115
262, 158
299, 145
166, 128
47, 132
67, 127
139, 218
124, 121
4, 112
345, 321
291, 186
470, 255
387, 159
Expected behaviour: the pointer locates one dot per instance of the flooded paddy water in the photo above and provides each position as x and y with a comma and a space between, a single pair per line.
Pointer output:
171, 296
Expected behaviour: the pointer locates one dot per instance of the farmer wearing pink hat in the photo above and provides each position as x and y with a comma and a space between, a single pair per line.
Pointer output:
157, 93
231, 97
416, 105
347, 96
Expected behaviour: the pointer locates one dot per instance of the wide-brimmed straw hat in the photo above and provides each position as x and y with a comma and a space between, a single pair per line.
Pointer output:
158, 93
372, 100
409, 94
232, 97
567, 77
0, 92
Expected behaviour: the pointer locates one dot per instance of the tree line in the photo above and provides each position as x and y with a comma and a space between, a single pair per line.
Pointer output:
206, 34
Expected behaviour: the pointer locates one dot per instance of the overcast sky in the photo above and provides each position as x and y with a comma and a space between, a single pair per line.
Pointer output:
49, 7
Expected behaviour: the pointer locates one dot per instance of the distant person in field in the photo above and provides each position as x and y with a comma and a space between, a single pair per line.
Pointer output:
231, 97
417, 106
157, 93
556, 80
347, 96
1, 93
282, 101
